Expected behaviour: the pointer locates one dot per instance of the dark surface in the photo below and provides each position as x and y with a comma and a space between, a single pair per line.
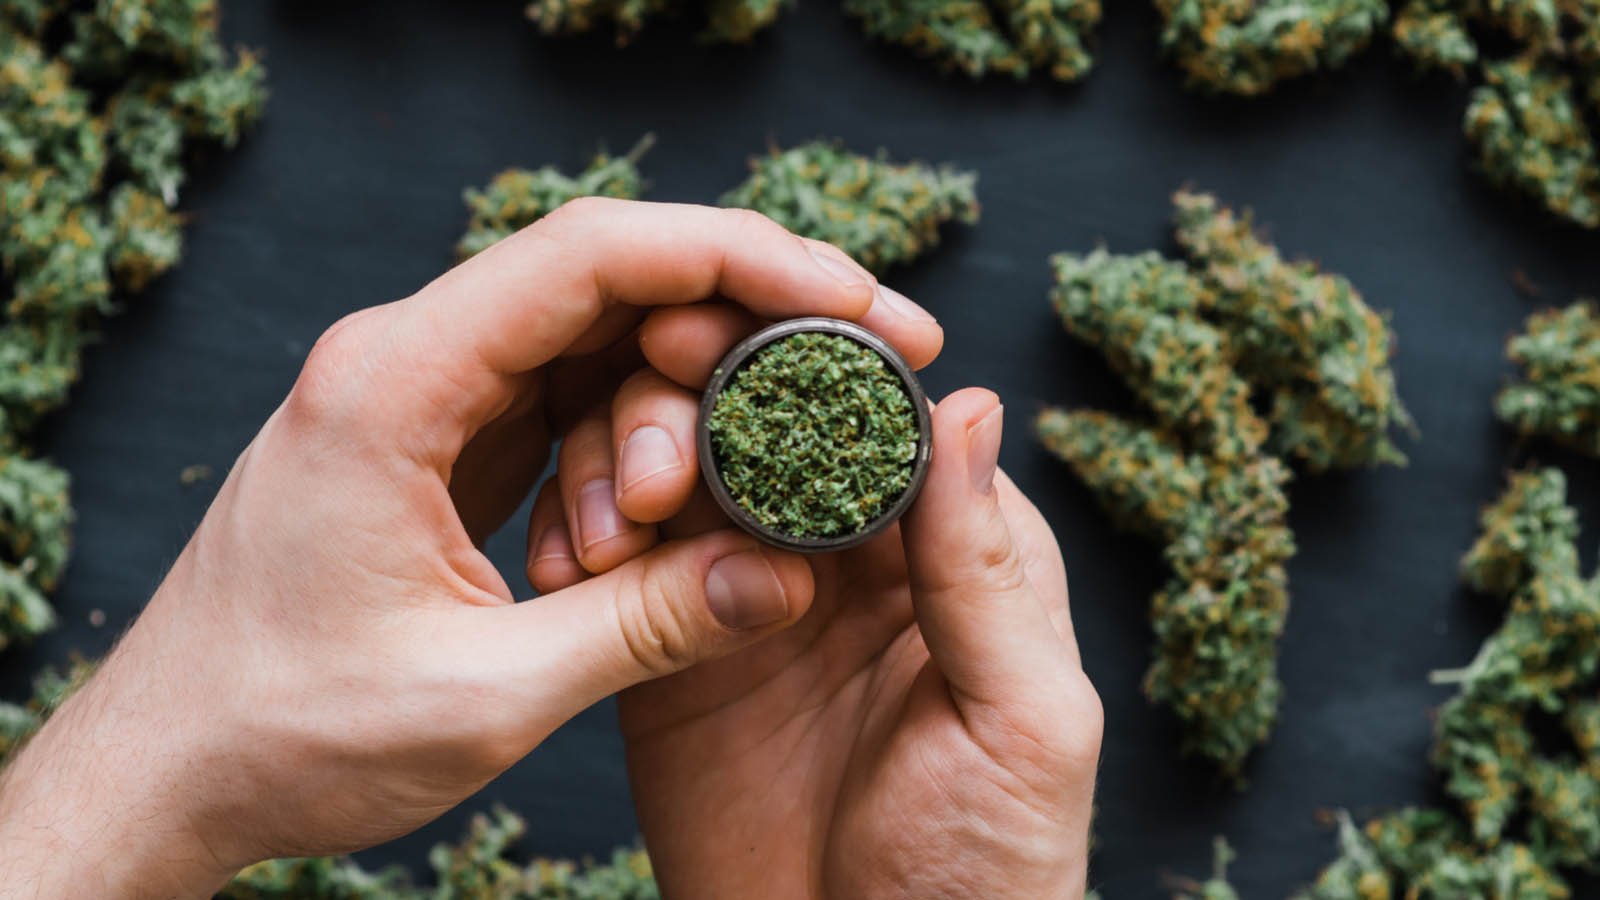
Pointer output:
349, 195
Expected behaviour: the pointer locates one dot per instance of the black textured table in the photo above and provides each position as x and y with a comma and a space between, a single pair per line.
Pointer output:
348, 195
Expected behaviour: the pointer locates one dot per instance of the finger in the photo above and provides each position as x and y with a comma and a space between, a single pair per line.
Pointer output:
601, 535
578, 386
527, 299
552, 561
698, 516
498, 467
680, 604
652, 429
685, 343
897, 319
984, 625
1041, 559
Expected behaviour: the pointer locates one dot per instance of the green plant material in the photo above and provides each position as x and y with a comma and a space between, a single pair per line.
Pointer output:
1425, 854
1218, 619
318, 878
815, 436
516, 198
1010, 37
1434, 34
18, 721
1304, 337
1529, 530
1527, 124
1216, 887
1483, 748
1143, 313
1558, 395
98, 103
1246, 47
477, 868
726, 21
881, 213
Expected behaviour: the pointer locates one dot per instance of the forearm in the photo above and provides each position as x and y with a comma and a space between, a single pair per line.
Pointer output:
98, 803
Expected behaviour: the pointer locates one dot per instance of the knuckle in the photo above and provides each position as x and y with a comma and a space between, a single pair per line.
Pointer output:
654, 628
741, 219
582, 209
338, 361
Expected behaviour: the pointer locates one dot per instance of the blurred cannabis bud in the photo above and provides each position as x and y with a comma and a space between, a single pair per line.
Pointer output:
726, 21
881, 213
98, 104
971, 36
1203, 346
1246, 47
18, 721
516, 198
815, 436
1518, 746
1559, 393
1306, 339
1216, 887
477, 868
1536, 64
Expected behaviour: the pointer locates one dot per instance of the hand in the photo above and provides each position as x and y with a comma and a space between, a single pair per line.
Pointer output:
332, 661
925, 731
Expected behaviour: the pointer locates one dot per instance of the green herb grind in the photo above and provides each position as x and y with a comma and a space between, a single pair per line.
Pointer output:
816, 436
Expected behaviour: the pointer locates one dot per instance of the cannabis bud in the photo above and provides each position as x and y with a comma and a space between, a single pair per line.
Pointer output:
971, 36
1217, 886
1225, 46
1559, 393
517, 198
726, 21
879, 212
814, 434
1204, 345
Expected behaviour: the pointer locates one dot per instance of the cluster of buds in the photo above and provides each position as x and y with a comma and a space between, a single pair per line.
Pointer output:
1558, 395
724, 21
1518, 747
1013, 37
1203, 345
97, 106
1246, 48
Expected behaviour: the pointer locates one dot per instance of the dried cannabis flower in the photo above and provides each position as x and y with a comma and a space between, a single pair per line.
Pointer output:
879, 212
1218, 620
1143, 313
1216, 887
727, 21
97, 104
1529, 805
1559, 394
1247, 46
1014, 36
517, 198
1530, 133
815, 436
1304, 337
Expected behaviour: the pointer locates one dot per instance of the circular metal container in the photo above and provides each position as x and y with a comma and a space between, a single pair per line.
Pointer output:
735, 360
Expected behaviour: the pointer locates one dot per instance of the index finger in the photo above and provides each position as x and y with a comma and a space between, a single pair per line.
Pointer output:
519, 304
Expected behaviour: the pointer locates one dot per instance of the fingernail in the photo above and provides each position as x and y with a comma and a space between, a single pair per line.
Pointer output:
598, 517
847, 274
553, 544
983, 449
905, 306
648, 451
744, 592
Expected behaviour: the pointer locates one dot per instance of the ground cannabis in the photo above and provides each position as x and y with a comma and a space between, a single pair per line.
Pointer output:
98, 104
971, 36
726, 21
1518, 747
880, 212
815, 436
1247, 46
1202, 346
516, 198
1558, 395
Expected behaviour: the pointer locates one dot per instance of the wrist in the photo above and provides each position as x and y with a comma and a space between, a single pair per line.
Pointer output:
105, 799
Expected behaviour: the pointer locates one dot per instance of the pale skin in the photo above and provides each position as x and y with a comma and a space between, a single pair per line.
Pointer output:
332, 662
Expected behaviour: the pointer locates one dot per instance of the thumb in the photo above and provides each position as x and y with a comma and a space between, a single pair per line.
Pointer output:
986, 627
682, 603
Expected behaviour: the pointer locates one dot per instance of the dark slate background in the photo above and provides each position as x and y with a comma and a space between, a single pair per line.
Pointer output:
348, 195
